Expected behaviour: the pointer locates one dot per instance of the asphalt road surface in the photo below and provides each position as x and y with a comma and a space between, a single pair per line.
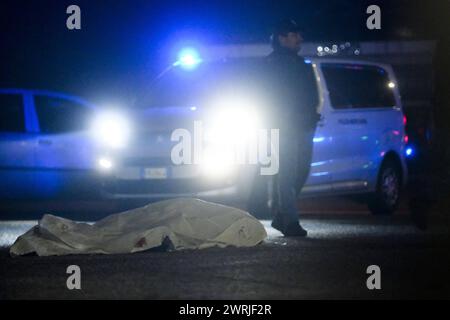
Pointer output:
330, 263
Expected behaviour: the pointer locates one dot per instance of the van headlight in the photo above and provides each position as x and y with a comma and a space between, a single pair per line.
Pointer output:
111, 129
217, 163
233, 121
230, 131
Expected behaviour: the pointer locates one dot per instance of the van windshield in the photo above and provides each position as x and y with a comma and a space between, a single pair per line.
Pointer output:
179, 87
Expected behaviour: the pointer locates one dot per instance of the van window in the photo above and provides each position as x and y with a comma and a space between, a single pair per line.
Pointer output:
57, 115
11, 113
358, 86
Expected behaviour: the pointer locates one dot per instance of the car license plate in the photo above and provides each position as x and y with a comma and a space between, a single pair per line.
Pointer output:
155, 173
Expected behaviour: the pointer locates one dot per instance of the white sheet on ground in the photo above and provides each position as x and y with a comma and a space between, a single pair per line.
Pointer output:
186, 223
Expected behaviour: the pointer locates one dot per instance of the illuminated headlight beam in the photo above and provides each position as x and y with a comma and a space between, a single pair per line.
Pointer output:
111, 129
105, 163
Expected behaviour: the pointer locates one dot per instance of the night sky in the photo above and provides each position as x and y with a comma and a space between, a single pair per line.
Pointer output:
122, 44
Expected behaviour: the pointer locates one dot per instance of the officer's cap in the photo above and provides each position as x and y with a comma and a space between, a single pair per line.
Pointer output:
285, 26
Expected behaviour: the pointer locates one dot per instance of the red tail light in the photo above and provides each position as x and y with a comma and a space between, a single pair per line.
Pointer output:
404, 120
406, 139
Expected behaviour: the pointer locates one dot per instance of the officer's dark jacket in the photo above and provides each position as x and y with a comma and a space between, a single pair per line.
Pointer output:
293, 90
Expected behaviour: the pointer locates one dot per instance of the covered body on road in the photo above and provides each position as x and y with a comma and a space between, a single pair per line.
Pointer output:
175, 224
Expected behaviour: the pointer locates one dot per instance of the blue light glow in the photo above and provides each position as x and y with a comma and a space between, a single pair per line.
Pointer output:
318, 163
319, 174
409, 152
188, 59
318, 139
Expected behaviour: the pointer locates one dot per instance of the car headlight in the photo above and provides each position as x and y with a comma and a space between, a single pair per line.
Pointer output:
111, 129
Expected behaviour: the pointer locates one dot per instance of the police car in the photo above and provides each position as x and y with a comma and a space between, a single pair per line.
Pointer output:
46, 149
360, 143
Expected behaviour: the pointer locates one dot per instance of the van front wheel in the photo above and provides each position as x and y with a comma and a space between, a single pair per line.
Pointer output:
386, 197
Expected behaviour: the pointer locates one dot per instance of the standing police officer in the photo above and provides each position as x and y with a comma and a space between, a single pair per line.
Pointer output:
293, 112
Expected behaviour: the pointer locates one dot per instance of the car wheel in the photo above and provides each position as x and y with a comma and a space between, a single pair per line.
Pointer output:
386, 197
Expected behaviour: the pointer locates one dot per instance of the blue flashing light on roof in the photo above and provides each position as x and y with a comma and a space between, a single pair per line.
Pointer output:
188, 59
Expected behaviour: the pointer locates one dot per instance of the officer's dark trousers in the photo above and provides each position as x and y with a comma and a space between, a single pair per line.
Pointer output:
295, 155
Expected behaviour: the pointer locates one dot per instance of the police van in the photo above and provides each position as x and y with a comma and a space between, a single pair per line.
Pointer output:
360, 142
